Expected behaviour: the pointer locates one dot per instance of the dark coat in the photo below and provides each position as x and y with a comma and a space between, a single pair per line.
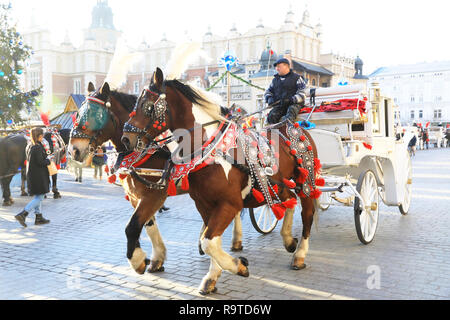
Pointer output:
38, 179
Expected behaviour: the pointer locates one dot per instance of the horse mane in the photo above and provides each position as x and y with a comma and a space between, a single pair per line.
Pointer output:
128, 101
198, 97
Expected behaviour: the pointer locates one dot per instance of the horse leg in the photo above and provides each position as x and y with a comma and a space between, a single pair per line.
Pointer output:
158, 247
212, 245
237, 234
308, 210
136, 256
7, 200
290, 243
200, 250
209, 282
23, 176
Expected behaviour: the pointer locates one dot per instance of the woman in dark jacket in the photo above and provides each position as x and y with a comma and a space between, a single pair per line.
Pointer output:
38, 179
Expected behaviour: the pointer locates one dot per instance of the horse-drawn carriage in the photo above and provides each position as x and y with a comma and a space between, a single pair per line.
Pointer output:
360, 157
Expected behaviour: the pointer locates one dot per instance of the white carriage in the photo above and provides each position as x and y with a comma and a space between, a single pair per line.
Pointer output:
362, 160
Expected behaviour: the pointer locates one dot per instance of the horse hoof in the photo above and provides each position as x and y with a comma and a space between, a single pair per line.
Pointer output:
242, 268
244, 261
24, 194
293, 246
7, 203
57, 196
238, 247
142, 268
208, 288
299, 267
156, 267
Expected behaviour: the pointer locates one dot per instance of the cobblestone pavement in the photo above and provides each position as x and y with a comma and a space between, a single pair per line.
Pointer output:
81, 254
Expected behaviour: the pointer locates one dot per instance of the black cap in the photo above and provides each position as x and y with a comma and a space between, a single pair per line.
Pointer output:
283, 60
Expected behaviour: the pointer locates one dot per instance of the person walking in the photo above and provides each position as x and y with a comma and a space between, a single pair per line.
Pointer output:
38, 179
99, 161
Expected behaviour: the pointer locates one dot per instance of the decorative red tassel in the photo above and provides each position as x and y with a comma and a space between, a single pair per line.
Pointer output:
172, 190
296, 125
58, 167
112, 179
315, 194
127, 198
293, 152
290, 184
106, 169
317, 166
258, 195
122, 176
303, 138
303, 175
310, 148
279, 211
288, 143
320, 182
290, 204
300, 161
185, 183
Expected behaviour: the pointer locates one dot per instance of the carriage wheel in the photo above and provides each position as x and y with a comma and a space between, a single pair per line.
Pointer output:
263, 219
404, 207
325, 201
366, 218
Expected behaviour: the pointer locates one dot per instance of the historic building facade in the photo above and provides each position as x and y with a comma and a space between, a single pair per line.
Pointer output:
64, 70
422, 90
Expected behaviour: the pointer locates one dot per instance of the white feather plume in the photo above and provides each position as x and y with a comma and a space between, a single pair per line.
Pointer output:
182, 56
121, 65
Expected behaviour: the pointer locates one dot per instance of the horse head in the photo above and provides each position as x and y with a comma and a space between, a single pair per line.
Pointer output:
167, 105
100, 119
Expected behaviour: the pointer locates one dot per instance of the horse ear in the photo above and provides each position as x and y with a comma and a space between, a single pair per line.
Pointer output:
105, 90
158, 78
91, 87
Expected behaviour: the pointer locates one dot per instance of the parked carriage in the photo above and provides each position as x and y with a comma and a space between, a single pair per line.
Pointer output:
360, 156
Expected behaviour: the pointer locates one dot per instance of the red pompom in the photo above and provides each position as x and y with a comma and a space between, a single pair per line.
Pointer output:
303, 175
132, 114
127, 198
303, 138
288, 143
297, 125
279, 211
172, 190
310, 148
258, 195
293, 152
112, 179
317, 166
290, 204
185, 183
164, 124
320, 182
300, 161
315, 194
290, 184
106, 169
123, 176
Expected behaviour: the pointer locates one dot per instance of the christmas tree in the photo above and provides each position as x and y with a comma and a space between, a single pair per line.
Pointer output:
13, 56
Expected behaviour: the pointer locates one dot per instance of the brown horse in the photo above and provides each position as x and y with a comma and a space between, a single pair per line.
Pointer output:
220, 190
114, 107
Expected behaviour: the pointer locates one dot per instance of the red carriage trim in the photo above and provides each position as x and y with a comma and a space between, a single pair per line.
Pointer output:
339, 105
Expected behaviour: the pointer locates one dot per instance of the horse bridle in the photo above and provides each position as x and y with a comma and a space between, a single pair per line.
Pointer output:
156, 111
76, 133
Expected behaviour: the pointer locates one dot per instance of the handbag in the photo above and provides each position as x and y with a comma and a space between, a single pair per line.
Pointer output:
52, 170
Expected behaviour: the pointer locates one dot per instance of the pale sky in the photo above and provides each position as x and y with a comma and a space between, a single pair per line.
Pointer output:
381, 32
